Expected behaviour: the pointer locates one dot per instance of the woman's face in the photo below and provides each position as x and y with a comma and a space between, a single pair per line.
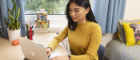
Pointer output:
77, 13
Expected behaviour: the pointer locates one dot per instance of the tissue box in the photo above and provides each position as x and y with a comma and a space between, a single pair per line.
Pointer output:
42, 23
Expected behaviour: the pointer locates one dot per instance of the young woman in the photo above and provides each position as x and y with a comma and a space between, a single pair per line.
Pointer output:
83, 32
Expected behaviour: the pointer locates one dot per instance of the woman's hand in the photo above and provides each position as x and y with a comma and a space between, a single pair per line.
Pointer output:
64, 57
48, 50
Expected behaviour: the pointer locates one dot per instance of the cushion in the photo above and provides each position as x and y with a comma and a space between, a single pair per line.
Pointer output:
132, 33
121, 33
15, 42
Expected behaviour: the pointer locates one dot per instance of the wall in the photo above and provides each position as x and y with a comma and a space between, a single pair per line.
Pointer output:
91, 3
132, 10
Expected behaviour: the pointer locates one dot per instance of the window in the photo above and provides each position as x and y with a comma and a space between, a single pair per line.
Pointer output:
51, 6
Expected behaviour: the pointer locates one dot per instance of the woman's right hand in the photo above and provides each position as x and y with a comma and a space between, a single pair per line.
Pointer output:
48, 50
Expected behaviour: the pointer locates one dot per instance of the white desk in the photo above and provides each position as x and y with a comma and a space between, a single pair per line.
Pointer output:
10, 52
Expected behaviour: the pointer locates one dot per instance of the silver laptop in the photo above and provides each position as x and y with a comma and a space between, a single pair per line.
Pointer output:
31, 50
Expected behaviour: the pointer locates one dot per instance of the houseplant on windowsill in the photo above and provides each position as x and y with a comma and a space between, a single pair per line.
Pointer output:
13, 24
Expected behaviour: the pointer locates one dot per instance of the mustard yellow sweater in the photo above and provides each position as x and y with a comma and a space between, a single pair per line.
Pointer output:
84, 41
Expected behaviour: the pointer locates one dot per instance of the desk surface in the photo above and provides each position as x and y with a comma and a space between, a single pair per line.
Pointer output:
10, 52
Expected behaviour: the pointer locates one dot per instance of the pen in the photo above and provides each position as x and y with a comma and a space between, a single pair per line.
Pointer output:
33, 26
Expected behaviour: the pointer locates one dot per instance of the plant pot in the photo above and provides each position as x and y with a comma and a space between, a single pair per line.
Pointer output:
13, 34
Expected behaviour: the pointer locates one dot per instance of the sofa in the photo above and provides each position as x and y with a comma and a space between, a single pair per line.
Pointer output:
127, 46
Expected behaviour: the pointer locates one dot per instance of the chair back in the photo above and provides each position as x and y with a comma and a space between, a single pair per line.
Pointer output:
101, 52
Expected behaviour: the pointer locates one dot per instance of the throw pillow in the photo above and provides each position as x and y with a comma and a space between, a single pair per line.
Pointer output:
121, 33
130, 30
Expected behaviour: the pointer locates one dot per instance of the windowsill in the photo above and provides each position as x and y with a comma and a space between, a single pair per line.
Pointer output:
54, 28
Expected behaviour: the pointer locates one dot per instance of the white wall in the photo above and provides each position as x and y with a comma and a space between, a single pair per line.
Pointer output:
91, 3
132, 10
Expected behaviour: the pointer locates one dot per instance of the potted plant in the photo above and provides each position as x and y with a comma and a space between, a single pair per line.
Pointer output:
13, 24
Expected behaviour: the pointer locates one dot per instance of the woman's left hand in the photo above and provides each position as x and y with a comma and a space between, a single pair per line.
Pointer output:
64, 57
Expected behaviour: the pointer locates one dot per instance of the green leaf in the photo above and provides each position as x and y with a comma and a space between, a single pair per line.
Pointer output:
8, 24
13, 10
18, 13
19, 24
9, 11
11, 19
14, 5
15, 24
13, 2
13, 27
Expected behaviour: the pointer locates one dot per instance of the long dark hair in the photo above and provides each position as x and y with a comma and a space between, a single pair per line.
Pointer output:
83, 3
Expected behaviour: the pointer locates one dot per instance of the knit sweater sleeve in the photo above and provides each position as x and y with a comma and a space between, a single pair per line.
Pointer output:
56, 40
